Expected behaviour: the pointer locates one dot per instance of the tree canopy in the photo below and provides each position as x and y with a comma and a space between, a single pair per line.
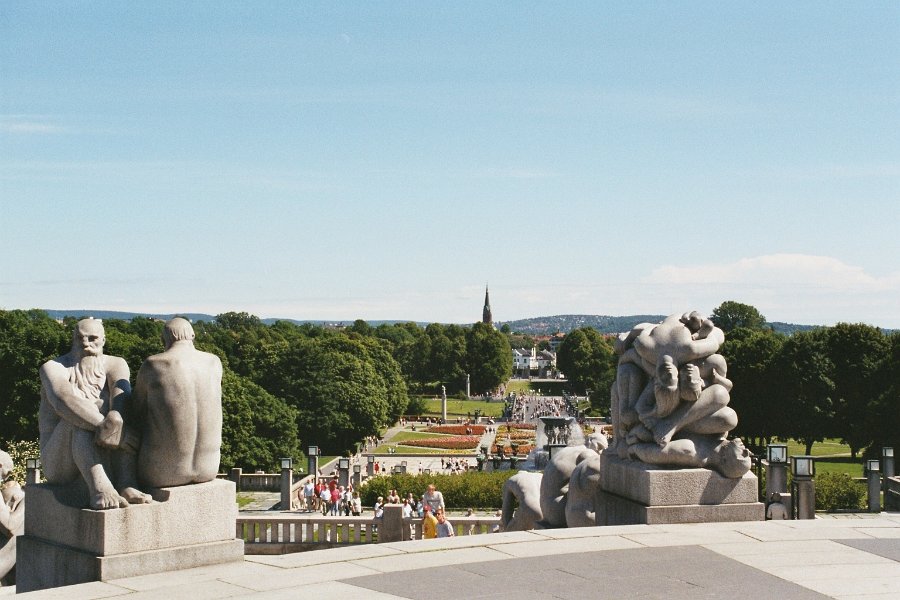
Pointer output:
731, 315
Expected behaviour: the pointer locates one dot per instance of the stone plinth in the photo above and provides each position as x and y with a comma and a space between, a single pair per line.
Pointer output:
632, 492
185, 527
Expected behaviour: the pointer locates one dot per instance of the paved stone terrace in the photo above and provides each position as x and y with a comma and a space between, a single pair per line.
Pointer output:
851, 557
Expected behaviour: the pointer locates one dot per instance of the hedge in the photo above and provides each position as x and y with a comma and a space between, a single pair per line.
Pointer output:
472, 489
838, 491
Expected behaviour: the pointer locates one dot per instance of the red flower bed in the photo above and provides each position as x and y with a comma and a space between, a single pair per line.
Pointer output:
520, 449
457, 429
517, 435
460, 442
513, 427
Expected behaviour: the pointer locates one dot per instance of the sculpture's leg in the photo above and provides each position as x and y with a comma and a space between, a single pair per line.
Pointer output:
87, 457
719, 423
56, 455
712, 399
125, 468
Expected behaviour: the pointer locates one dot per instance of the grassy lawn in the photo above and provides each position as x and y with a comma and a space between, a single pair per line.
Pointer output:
243, 500
840, 464
383, 449
460, 408
402, 436
831, 456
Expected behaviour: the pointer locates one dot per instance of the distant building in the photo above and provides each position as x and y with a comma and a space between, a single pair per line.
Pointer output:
531, 363
486, 316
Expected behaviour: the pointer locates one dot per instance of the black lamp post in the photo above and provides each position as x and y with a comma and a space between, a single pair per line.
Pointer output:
804, 498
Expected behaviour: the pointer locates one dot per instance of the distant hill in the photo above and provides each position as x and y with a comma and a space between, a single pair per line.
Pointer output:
566, 323
124, 316
608, 324
195, 317
532, 326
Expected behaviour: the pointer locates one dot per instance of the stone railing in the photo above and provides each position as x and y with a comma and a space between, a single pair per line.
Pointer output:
892, 494
260, 482
283, 533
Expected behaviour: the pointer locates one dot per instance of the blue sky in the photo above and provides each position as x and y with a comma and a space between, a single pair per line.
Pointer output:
386, 160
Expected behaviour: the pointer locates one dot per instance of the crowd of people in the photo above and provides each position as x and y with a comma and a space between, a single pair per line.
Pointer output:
330, 498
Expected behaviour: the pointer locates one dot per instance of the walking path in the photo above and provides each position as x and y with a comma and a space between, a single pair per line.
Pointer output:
850, 557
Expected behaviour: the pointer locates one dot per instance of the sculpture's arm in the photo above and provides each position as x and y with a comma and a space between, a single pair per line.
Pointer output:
624, 341
704, 347
66, 401
118, 377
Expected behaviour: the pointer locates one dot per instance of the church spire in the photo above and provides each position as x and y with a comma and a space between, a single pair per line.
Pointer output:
486, 316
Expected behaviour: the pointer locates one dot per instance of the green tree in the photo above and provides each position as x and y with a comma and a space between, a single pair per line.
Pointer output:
339, 394
885, 411
588, 361
489, 358
751, 356
257, 428
856, 351
27, 340
730, 315
804, 373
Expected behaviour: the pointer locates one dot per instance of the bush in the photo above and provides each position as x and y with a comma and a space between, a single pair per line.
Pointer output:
838, 491
19, 451
470, 489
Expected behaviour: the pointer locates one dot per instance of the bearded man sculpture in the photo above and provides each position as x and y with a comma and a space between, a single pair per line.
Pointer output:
83, 437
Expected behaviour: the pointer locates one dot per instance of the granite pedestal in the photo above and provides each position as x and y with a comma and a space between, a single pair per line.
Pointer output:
632, 492
187, 526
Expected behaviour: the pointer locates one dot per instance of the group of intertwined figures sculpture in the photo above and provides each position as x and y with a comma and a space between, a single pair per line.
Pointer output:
669, 402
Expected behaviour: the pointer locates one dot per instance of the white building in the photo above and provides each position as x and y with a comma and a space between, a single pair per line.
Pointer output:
531, 363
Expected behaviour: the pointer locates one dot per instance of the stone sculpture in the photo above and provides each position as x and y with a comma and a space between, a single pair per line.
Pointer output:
555, 483
177, 404
12, 518
524, 489
583, 485
83, 437
670, 398
169, 440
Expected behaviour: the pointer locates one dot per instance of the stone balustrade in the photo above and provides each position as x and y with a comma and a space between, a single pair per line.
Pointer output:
892, 495
283, 533
260, 482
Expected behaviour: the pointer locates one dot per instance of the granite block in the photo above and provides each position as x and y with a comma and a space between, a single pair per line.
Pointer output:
651, 485
616, 510
180, 516
52, 565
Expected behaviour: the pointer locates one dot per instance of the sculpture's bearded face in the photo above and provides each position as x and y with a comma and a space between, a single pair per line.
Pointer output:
89, 338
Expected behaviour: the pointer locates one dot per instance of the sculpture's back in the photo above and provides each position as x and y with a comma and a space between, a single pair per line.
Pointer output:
178, 403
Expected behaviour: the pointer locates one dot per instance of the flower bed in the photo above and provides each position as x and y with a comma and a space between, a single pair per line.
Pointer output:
457, 429
520, 449
514, 426
516, 435
460, 442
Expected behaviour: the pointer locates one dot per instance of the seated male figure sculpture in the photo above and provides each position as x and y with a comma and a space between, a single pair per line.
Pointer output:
178, 403
82, 434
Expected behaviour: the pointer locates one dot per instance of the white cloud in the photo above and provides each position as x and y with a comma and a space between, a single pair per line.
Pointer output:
776, 270
29, 127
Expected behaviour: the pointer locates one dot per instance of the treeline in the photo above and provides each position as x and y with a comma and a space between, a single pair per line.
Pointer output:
285, 386
830, 382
